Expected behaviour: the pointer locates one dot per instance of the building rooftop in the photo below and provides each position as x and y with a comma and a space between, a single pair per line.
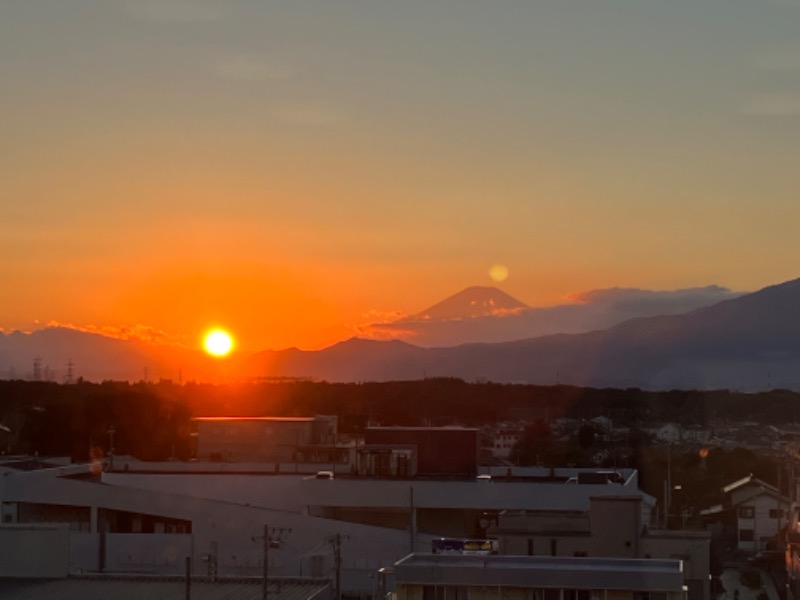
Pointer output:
646, 575
101, 587
415, 428
750, 479
271, 419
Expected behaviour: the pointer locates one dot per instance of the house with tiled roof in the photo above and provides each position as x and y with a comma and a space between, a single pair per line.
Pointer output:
758, 512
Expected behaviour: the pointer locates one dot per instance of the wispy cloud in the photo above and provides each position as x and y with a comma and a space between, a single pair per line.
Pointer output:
626, 296
175, 11
385, 332
309, 115
383, 325
773, 105
784, 3
250, 68
138, 332
785, 58
383, 316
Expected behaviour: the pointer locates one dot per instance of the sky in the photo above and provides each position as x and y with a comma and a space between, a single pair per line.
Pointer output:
293, 170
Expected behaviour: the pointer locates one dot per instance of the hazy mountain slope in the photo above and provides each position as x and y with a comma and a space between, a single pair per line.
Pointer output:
482, 315
472, 302
97, 357
748, 343
752, 342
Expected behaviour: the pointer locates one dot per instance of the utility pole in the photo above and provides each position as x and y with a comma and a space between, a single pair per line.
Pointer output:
270, 538
213, 556
188, 595
111, 433
412, 521
338, 560
669, 481
265, 565
336, 542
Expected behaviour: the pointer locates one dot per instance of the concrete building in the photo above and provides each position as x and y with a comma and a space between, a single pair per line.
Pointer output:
451, 507
224, 537
503, 437
613, 527
138, 587
269, 439
439, 450
148, 517
441, 576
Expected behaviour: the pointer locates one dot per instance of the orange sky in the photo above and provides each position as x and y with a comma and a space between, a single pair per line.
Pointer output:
295, 173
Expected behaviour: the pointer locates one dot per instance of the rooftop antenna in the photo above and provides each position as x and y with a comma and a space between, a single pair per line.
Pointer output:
70, 372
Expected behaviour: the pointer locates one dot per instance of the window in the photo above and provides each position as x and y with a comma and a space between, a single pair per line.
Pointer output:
775, 513
444, 592
746, 512
746, 535
552, 594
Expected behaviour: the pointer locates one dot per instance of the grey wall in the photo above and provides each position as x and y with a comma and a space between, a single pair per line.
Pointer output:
34, 550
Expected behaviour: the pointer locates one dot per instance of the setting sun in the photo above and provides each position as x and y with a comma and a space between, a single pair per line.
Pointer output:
218, 342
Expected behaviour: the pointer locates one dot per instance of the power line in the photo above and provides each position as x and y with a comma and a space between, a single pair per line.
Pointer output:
272, 537
336, 543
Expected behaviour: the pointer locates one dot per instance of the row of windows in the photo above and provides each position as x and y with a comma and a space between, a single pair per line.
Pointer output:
234, 430
453, 592
749, 512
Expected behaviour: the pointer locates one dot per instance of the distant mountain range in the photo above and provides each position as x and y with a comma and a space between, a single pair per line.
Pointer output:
59, 353
487, 314
749, 343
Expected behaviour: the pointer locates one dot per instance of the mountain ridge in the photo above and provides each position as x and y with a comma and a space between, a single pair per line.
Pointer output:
715, 346
749, 343
471, 302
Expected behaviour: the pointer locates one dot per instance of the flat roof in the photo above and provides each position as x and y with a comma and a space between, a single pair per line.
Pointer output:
445, 428
645, 575
271, 419
132, 587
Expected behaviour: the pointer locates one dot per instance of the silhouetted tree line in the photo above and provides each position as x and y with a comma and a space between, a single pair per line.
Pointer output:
153, 420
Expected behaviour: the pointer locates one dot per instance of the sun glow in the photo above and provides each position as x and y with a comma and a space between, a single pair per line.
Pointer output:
498, 273
218, 342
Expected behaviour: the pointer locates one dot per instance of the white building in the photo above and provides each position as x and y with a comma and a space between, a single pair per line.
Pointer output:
612, 528
758, 513
430, 577
147, 518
